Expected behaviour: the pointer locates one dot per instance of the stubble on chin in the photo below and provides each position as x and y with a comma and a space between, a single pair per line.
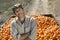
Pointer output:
21, 17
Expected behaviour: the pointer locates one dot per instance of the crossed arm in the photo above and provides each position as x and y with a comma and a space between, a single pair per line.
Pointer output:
16, 35
24, 36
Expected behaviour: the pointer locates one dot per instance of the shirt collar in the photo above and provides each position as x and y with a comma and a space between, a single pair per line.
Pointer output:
20, 22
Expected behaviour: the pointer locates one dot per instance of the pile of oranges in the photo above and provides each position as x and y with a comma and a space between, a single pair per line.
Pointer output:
47, 29
5, 31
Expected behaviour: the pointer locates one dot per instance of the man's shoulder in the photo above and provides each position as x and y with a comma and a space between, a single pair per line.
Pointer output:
31, 18
14, 21
27, 16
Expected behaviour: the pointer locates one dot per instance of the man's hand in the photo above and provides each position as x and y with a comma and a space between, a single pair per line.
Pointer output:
24, 36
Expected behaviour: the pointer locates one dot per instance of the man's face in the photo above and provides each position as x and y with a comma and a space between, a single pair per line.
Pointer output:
19, 12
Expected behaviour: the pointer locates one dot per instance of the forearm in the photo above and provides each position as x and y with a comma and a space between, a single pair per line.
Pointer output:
24, 36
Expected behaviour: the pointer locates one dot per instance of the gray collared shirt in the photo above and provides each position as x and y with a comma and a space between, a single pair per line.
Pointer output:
29, 25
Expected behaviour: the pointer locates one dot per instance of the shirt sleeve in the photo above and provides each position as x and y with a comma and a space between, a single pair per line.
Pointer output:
14, 32
33, 25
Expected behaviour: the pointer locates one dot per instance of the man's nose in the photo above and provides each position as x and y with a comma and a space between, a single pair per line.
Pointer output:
19, 13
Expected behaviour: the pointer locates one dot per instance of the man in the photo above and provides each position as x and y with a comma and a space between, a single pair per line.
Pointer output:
24, 27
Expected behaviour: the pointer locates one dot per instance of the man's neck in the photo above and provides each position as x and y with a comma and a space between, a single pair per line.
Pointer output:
22, 21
